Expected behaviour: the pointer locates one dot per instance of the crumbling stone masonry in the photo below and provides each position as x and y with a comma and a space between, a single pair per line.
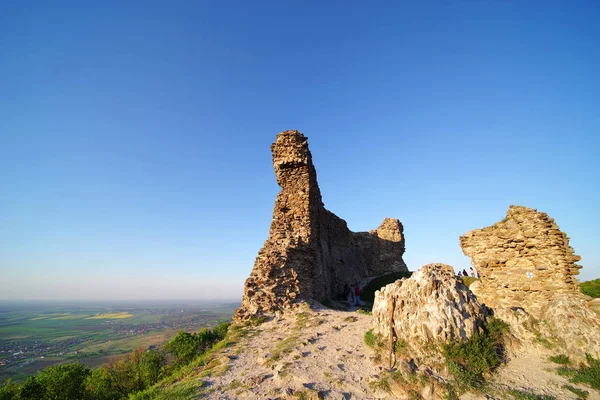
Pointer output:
310, 252
523, 260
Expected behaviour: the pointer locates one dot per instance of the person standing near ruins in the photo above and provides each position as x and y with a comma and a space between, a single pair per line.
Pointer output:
472, 272
357, 294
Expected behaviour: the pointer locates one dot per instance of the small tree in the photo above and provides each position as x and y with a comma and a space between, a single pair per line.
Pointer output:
64, 382
184, 346
32, 389
99, 385
9, 390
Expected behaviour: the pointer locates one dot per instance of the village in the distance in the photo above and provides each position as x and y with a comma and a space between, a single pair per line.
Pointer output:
35, 335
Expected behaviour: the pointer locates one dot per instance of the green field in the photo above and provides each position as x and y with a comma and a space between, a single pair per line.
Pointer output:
38, 336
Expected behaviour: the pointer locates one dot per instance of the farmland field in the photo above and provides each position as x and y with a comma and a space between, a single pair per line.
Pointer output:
34, 335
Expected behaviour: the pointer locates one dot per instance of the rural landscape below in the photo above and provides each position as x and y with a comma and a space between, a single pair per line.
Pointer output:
38, 334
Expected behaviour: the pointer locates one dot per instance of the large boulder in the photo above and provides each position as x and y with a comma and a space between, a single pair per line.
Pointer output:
433, 306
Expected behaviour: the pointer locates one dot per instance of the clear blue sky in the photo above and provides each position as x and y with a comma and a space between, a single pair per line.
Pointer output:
135, 136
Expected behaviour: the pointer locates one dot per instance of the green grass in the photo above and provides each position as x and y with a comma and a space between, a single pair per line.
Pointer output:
468, 280
368, 292
581, 394
587, 374
523, 395
370, 339
381, 385
560, 359
179, 391
284, 347
470, 360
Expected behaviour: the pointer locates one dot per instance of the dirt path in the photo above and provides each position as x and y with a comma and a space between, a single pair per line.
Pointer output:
321, 354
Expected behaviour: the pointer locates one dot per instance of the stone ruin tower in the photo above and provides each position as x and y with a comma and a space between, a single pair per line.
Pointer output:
310, 252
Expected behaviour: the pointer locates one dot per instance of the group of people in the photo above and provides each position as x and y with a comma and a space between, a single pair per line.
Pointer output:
352, 294
471, 273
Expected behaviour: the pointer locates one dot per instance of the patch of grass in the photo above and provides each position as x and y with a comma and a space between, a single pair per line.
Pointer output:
560, 359
568, 372
400, 346
539, 339
523, 395
468, 280
581, 394
589, 374
284, 347
370, 339
255, 321
381, 385
468, 361
351, 318
364, 311
368, 292
234, 384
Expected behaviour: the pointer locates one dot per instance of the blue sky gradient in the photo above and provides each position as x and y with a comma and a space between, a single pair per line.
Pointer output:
135, 135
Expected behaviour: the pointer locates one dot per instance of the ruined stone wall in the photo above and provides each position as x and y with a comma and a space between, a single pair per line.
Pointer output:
310, 252
527, 271
523, 260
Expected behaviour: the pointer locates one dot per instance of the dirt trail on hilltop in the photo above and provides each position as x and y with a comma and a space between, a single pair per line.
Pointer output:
321, 354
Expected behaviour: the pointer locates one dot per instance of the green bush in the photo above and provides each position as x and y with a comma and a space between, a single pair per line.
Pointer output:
65, 381
32, 389
368, 292
370, 338
560, 359
187, 346
591, 288
468, 361
9, 390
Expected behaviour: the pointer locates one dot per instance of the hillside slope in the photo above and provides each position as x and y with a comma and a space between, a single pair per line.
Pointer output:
321, 353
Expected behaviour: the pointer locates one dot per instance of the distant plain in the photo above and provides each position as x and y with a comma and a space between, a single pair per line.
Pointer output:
35, 335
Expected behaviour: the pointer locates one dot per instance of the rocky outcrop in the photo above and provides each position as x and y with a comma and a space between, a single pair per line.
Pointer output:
524, 260
527, 271
432, 306
310, 252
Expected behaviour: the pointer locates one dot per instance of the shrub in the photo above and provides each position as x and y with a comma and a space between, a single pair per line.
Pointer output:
591, 288
468, 361
187, 346
9, 390
560, 359
370, 338
64, 381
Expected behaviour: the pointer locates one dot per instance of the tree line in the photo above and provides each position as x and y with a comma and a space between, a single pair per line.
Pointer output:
125, 375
